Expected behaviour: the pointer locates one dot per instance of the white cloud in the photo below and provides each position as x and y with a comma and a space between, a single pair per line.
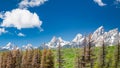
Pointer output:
2, 31
31, 3
1, 16
21, 18
99, 2
117, 2
21, 34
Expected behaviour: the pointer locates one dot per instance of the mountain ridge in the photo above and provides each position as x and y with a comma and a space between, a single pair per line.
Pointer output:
110, 38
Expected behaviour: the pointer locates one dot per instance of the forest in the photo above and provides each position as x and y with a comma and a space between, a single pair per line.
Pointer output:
88, 56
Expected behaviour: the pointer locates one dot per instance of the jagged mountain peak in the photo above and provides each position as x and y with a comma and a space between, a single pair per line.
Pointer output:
114, 30
60, 39
110, 38
97, 33
9, 46
101, 27
77, 37
28, 46
53, 39
56, 39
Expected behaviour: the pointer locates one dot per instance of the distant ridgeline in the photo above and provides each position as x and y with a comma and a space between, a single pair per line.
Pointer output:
110, 38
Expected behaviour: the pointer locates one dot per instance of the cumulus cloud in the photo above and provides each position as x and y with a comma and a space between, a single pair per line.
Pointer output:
31, 3
1, 16
2, 31
99, 2
20, 18
21, 34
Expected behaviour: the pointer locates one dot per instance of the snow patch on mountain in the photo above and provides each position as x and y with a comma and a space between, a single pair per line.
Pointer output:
9, 46
28, 46
111, 37
56, 41
77, 41
99, 35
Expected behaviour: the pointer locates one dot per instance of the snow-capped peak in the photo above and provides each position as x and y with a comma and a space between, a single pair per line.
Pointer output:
97, 33
111, 37
9, 46
28, 46
60, 40
77, 38
55, 41
77, 41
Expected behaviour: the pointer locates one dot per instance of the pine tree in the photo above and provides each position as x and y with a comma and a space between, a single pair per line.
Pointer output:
9, 59
116, 63
36, 61
78, 59
60, 60
1, 60
24, 61
88, 52
101, 58
50, 59
17, 58
43, 59
4, 62
29, 58
83, 57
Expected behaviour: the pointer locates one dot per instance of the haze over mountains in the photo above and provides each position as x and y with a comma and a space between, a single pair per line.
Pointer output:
110, 38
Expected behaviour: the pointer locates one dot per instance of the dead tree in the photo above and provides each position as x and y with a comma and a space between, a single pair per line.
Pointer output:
60, 56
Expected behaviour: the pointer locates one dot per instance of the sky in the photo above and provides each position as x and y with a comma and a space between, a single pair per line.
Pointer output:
35, 22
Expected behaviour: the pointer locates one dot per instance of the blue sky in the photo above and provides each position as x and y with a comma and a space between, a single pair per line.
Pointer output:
47, 18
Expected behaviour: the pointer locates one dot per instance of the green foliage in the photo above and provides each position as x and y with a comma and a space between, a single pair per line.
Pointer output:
36, 59
70, 56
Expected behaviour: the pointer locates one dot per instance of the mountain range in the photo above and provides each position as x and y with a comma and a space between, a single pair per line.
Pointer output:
110, 38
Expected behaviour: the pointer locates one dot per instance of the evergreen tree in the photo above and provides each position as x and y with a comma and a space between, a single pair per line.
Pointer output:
24, 61
60, 60
43, 59
29, 58
78, 58
50, 59
1, 60
4, 62
83, 57
116, 61
17, 58
101, 57
87, 58
9, 59
89, 52
36, 61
